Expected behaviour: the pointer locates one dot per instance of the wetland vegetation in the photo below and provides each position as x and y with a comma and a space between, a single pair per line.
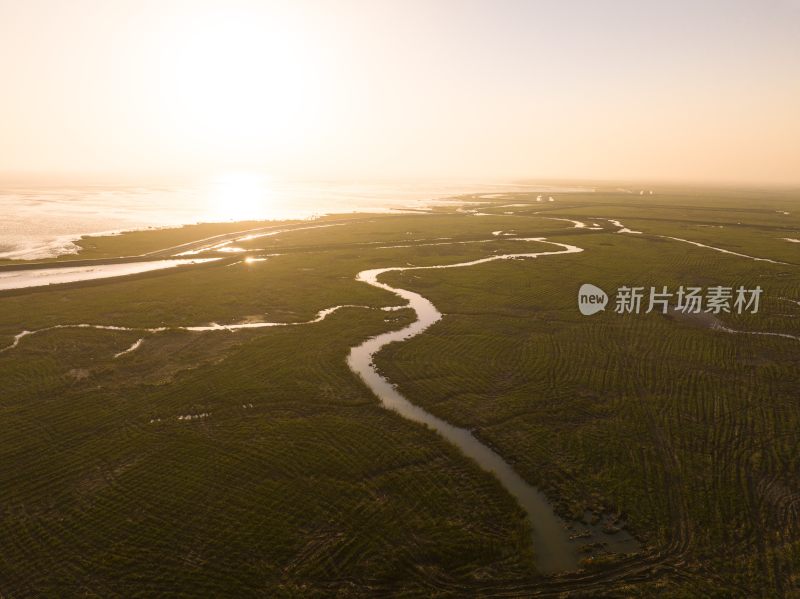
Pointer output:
140, 458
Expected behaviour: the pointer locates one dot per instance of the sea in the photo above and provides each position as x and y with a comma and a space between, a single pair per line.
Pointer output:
39, 222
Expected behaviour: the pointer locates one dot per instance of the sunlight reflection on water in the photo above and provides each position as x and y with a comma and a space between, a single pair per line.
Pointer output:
42, 222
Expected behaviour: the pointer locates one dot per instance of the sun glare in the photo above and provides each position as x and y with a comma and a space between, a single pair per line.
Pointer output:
242, 85
240, 196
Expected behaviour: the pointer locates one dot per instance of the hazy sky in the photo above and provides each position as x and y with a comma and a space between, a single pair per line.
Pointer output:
494, 89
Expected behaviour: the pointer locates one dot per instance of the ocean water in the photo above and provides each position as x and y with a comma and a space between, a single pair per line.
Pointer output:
44, 222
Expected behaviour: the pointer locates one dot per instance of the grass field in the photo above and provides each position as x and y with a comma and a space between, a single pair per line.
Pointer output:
290, 479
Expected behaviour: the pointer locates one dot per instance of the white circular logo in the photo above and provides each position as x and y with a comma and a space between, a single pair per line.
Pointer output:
591, 299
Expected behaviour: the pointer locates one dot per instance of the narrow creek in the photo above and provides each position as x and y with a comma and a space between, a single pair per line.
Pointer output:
555, 547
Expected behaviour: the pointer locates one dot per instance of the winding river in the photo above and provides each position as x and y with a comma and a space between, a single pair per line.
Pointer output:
555, 550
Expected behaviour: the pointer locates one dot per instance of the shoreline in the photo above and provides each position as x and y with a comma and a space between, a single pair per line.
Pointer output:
333, 201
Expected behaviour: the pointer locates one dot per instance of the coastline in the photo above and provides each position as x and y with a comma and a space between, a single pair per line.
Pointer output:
40, 211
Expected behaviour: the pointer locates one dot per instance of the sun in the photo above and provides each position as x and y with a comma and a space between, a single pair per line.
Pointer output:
239, 85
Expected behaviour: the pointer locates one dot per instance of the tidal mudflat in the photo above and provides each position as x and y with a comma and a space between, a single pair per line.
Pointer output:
38, 277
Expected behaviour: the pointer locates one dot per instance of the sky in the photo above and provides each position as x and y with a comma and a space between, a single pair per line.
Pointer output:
494, 90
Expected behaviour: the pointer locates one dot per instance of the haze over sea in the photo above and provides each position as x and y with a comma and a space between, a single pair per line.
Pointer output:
43, 222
